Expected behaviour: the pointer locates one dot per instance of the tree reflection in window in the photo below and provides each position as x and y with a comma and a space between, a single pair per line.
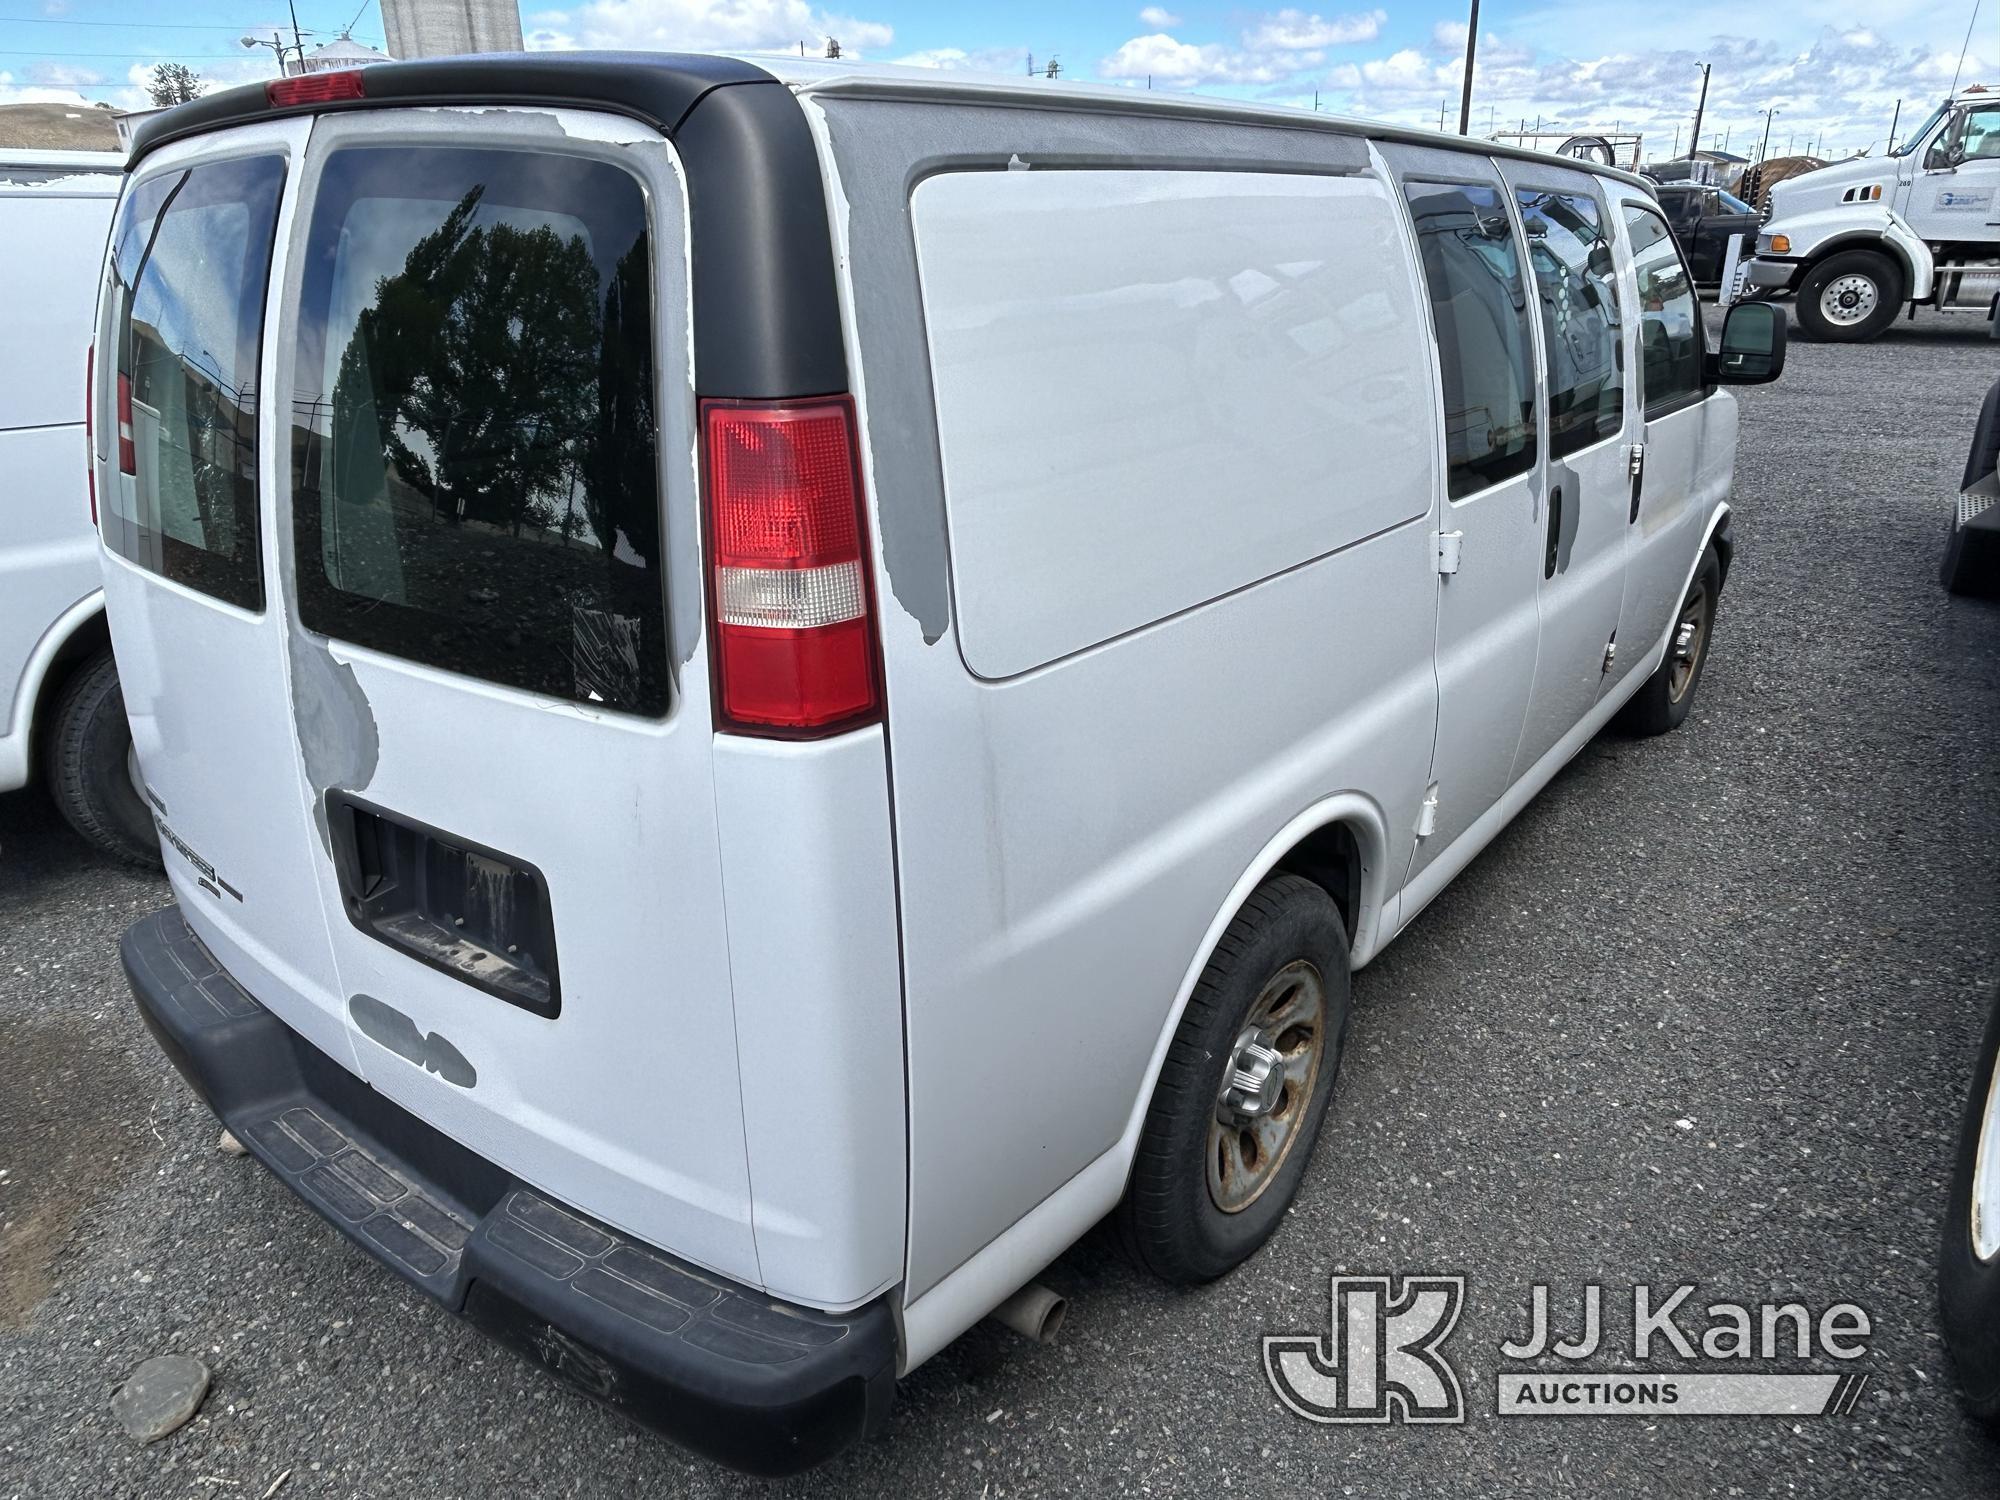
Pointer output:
474, 449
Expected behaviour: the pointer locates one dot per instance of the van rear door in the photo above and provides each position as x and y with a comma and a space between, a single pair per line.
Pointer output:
182, 486
493, 839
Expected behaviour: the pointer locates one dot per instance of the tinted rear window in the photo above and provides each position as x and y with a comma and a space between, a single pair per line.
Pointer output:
473, 455
189, 267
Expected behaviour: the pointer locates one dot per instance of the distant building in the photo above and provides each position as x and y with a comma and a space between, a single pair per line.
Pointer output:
444, 28
341, 52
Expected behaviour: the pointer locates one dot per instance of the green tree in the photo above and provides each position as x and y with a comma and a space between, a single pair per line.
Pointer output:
174, 83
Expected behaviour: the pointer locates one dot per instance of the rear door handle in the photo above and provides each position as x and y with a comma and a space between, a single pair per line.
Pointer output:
1555, 532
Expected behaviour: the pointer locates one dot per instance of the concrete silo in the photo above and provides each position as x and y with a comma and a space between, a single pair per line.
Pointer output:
441, 28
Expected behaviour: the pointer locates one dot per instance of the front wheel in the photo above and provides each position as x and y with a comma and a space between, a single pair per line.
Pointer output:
1850, 298
1244, 1087
1665, 698
1969, 1257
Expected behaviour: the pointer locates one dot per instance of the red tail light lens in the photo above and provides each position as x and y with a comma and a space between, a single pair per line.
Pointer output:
789, 597
315, 88
128, 455
90, 428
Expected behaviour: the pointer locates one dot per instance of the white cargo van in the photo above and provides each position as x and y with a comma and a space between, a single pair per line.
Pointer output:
769, 695
59, 709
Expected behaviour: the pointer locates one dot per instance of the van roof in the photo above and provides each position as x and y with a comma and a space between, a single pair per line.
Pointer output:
661, 87
890, 80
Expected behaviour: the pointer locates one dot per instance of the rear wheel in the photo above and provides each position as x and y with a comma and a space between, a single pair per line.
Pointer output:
1850, 297
1969, 1258
90, 765
1244, 1087
1663, 702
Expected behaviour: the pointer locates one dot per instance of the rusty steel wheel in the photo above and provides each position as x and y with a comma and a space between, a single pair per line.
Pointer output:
1244, 1087
1663, 700
1690, 637
1271, 1073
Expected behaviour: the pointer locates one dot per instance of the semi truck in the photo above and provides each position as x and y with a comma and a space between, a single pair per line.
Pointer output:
1860, 241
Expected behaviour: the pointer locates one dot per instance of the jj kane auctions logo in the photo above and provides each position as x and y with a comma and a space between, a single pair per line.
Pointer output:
1383, 1359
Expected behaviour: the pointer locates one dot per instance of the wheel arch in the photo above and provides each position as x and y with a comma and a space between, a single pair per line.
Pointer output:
1339, 843
77, 635
1889, 245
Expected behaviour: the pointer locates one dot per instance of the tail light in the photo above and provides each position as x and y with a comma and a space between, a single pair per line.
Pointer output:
128, 455
90, 427
315, 88
789, 596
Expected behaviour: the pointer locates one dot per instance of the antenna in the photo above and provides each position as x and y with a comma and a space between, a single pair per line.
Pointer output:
1966, 47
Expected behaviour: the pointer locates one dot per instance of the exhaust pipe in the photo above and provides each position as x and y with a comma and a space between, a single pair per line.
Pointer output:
1034, 1312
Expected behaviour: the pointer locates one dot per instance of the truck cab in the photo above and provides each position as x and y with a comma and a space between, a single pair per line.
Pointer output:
1704, 217
1861, 240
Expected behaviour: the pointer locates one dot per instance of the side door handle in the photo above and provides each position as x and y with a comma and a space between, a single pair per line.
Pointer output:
1636, 466
1555, 531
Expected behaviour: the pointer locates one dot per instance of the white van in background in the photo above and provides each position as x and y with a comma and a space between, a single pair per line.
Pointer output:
60, 713
769, 694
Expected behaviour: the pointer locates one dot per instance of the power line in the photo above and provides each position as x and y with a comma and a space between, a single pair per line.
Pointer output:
127, 25
158, 56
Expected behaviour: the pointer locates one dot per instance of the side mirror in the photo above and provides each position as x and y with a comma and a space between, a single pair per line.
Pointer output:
1753, 346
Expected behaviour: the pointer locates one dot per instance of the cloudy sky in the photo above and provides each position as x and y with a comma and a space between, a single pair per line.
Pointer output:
1832, 68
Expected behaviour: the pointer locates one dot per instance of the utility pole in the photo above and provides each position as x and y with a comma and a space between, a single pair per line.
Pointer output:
1895, 120
1677, 143
1471, 54
298, 42
1694, 141
1441, 107
1763, 149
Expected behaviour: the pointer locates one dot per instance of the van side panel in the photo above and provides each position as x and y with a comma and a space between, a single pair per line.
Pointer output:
1067, 835
1199, 410
51, 237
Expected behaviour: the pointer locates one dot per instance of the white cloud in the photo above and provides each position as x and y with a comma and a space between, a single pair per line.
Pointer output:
1276, 48
1157, 18
704, 26
1842, 81
979, 60
12, 91
1295, 31
1184, 65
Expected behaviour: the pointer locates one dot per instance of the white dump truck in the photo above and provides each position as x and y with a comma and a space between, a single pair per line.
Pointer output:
1860, 241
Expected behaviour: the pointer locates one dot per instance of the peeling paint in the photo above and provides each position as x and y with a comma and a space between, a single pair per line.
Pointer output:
334, 722
383, 1023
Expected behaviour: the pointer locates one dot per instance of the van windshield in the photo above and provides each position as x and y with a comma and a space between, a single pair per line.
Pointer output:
473, 453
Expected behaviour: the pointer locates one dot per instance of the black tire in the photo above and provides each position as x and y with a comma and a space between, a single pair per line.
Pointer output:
1866, 274
88, 751
1968, 1287
1665, 698
1169, 1221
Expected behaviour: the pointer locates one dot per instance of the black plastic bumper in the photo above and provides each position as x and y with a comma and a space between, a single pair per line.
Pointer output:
759, 1385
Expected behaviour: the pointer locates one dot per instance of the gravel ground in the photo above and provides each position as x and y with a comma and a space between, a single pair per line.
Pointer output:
1703, 1014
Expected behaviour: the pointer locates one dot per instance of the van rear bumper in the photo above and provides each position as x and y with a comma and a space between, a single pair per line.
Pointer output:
760, 1385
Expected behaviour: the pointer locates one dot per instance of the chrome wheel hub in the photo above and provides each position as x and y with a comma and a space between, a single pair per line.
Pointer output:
1267, 1085
1256, 1079
1848, 299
